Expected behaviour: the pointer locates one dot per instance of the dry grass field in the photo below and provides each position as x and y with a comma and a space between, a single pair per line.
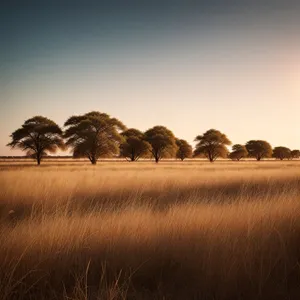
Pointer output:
191, 230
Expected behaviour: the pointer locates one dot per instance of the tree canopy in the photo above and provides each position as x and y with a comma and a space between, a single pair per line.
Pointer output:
295, 154
94, 135
212, 144
134, 145
282, 153
184, 150
162, 141
238, 152
259, 149
37, 136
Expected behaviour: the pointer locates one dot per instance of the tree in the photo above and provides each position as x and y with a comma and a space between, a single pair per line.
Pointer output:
37, 136
33, 155
259, 149
212, 144
134, 145
162, 141
238, 152
295, 154
185, 150
282, 153
94, 135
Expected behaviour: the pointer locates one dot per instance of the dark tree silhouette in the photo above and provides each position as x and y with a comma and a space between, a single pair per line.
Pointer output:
162, 141
185, 150
37, 136
94, 135
33, 155
259, 149
212, 144
238, 152
134, 145
282, 153
295, 154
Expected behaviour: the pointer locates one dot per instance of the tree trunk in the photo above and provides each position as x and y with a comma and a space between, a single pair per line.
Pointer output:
38, 158
94, 160
132, 158
132, 155
210, 157
156, 159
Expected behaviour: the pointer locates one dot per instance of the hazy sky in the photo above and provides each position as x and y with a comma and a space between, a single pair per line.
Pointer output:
188, 65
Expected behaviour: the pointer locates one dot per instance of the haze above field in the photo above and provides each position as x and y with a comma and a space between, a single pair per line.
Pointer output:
188, 65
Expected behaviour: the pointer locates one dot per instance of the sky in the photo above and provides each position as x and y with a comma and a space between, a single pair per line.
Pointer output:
188, 65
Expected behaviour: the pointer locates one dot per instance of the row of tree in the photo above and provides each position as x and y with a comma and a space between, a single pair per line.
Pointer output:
94, 135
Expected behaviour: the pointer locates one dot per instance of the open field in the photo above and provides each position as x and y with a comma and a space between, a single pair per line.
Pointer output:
173, 230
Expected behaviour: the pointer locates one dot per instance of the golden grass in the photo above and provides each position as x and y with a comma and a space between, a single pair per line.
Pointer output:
189, 230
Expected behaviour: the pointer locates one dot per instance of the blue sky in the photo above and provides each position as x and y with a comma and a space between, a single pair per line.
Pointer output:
188, 65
